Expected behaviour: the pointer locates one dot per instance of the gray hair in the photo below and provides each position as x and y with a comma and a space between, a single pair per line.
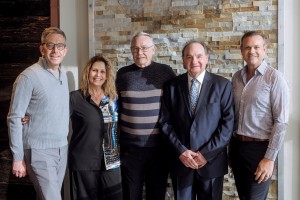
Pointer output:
142, 34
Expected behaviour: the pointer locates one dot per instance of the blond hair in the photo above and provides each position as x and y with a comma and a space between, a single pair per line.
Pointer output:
109, 86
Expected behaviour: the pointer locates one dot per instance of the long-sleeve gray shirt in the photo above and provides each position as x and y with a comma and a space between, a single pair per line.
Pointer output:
45, 98
262, 106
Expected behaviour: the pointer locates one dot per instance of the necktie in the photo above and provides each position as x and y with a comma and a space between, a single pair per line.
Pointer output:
194, 94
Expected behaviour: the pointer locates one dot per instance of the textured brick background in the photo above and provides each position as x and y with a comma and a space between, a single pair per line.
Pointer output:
219, 23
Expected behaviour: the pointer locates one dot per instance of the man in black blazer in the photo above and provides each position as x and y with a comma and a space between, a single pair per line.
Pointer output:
199, 136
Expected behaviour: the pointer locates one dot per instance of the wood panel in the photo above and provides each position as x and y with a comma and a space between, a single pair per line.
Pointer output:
26, 29
25, 7
21, 25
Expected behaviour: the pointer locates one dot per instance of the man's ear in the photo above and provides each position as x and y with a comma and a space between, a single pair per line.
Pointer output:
65, 51
42, 50
265, 48
154, 49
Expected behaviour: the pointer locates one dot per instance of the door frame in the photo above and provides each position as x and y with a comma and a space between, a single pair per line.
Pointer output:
54, 13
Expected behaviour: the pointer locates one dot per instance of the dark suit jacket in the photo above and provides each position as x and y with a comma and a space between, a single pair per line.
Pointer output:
209, 131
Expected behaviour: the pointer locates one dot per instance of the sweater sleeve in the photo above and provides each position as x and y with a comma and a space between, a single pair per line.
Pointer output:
21, 95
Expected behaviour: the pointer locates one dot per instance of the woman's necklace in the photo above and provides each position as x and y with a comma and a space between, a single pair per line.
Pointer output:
98, 96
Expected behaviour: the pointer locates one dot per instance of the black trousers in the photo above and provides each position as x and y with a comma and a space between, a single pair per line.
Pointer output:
96, 185
244, 158
144, 166
191, 186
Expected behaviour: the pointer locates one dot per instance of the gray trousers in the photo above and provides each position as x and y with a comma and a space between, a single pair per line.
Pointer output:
46, 169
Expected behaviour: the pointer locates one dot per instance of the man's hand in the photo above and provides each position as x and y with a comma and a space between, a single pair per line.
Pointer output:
25, 120
19, 168
264, 170
199, 158
187, 158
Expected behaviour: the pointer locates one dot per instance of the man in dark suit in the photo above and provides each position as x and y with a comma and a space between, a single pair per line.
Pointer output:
199, 135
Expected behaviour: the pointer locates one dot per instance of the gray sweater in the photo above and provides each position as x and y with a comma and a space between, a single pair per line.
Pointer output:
45, 98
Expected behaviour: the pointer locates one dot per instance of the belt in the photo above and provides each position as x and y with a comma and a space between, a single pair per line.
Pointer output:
243, 138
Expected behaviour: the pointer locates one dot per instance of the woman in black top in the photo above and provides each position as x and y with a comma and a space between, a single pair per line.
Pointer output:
93, 153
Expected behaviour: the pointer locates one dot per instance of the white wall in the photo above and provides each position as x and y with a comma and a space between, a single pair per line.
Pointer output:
74, 21
291, 151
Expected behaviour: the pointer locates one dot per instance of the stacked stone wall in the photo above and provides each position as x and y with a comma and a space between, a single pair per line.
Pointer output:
219, 23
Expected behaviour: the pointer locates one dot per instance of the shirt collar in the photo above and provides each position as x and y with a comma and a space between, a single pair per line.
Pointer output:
260, 69
42, 61
199, 78
88, 97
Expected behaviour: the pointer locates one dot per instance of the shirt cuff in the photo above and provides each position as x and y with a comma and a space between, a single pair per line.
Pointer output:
271, 154
18, 157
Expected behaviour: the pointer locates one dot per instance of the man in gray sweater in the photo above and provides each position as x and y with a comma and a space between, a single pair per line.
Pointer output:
41, 92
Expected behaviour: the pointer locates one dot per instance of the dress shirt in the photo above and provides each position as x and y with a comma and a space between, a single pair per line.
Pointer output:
261, 106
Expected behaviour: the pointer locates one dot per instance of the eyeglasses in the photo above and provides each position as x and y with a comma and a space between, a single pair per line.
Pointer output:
59, 46
143, 49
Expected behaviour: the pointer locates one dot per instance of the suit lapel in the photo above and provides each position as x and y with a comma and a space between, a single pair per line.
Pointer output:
184, 89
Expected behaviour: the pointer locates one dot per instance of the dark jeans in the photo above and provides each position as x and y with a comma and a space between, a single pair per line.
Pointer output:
144, 165
244, 158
